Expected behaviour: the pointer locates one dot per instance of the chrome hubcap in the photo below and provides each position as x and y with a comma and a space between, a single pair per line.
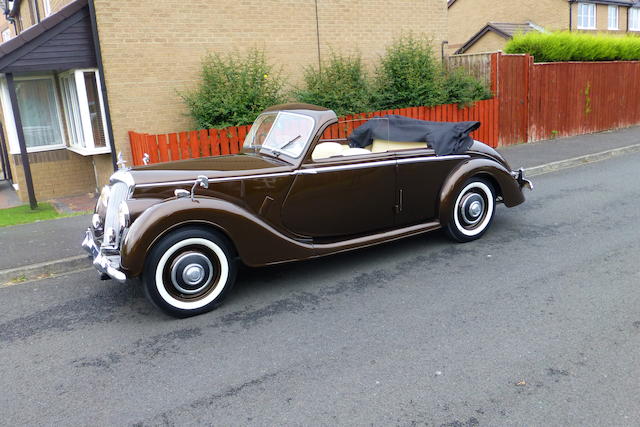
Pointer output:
472, 208
191, 272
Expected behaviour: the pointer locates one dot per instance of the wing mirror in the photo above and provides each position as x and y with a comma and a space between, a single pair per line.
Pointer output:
201, 181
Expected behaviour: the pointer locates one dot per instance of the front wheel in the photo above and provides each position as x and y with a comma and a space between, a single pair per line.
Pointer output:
472, 212
189, 272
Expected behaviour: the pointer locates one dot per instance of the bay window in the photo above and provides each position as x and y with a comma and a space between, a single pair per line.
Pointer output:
586, 16
39, 112
84, 111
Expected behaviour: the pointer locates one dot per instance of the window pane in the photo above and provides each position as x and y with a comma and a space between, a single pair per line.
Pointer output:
94, 109
613, 17
72, 110
39, 113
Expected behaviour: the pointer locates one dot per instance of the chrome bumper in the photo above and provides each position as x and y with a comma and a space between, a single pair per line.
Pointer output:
105, 264
519, 176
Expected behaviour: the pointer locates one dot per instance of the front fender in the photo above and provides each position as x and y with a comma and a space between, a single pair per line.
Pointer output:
500, 176
256, 242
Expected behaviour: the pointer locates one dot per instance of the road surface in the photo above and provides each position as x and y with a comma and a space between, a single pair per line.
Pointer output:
538, 323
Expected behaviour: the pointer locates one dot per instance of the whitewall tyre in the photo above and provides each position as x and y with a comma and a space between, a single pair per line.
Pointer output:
473, 211
189, 271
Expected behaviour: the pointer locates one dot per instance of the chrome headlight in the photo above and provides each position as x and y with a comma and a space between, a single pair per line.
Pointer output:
104, 196
96, 221
123, 215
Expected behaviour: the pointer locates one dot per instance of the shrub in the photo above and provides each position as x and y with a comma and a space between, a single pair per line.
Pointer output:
341, 83
233, 90
571, 46
463, 89
409, 75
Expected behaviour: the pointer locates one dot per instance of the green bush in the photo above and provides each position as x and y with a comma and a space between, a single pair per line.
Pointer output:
573, 46
409, 75
463, 89
233, 90
341, 84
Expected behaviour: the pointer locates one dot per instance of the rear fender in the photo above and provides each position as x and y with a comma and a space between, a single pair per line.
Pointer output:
256, 242
500, 176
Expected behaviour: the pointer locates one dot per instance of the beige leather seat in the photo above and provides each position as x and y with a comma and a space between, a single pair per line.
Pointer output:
355, 151
326, 149
381, 145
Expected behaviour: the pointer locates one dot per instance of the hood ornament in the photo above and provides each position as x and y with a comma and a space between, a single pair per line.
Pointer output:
145, 158
121, 162
201, 181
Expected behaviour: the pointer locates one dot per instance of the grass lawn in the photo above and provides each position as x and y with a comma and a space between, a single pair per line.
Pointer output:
24, 214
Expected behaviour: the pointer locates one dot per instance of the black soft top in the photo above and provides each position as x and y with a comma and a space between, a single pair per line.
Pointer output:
444, 137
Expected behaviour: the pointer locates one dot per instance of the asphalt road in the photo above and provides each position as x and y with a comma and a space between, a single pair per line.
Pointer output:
538, 323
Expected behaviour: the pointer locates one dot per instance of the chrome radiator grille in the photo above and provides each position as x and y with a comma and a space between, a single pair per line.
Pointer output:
119, 192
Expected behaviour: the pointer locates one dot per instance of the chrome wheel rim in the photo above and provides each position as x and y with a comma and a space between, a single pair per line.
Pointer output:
472, 208
191, 272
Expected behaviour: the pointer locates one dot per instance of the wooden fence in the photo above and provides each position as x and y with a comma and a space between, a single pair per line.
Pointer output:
476, 64
213, 142
533, 102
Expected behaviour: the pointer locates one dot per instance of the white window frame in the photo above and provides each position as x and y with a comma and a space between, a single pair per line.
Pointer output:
613, 14
581, 16
6, 34
85, 115
47, 7
634, 24
7, 110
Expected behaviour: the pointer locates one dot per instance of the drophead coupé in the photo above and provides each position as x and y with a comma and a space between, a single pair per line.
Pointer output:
297, 190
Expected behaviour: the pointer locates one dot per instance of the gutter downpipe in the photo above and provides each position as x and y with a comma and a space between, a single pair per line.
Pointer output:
570, 15
103, 84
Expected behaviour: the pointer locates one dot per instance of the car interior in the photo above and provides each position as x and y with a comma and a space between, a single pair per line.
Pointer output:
325, 150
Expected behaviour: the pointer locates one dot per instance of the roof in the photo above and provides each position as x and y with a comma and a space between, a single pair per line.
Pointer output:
614, 2
61, 41
504, 29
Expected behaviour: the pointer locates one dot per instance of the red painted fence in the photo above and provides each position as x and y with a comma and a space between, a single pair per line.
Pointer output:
214, 142
533, 102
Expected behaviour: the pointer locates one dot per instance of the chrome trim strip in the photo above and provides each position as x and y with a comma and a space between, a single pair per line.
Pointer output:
433, 158
226, 179
315, 170
351, 166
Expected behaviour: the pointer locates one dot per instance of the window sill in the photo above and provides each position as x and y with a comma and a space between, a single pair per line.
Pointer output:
89, 152
587, 28
39, 149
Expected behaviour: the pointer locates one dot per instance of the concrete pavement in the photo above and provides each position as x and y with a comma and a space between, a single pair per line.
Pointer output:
535, 324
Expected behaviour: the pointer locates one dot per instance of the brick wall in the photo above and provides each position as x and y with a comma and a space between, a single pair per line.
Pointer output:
56, 173
152, 49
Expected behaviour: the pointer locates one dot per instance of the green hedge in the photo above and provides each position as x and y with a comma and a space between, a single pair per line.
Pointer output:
574, 46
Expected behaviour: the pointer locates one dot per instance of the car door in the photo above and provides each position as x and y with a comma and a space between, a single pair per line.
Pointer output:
421, 175
342, 196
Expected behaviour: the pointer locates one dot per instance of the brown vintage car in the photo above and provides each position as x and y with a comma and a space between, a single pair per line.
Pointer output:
295, 191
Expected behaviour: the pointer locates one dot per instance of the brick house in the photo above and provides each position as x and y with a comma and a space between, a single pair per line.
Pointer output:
78, 75
486, 25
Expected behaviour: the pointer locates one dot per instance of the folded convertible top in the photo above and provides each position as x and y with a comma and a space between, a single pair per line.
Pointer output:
444, 137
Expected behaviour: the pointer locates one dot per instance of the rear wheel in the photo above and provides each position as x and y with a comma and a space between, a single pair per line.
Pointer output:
189, 272
473, 211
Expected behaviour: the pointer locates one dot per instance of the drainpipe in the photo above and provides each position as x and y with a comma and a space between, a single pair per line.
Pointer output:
570, 15
318, 37
103, 84
37, 11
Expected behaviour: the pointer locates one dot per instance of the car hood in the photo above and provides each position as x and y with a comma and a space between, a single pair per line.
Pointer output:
211, 167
